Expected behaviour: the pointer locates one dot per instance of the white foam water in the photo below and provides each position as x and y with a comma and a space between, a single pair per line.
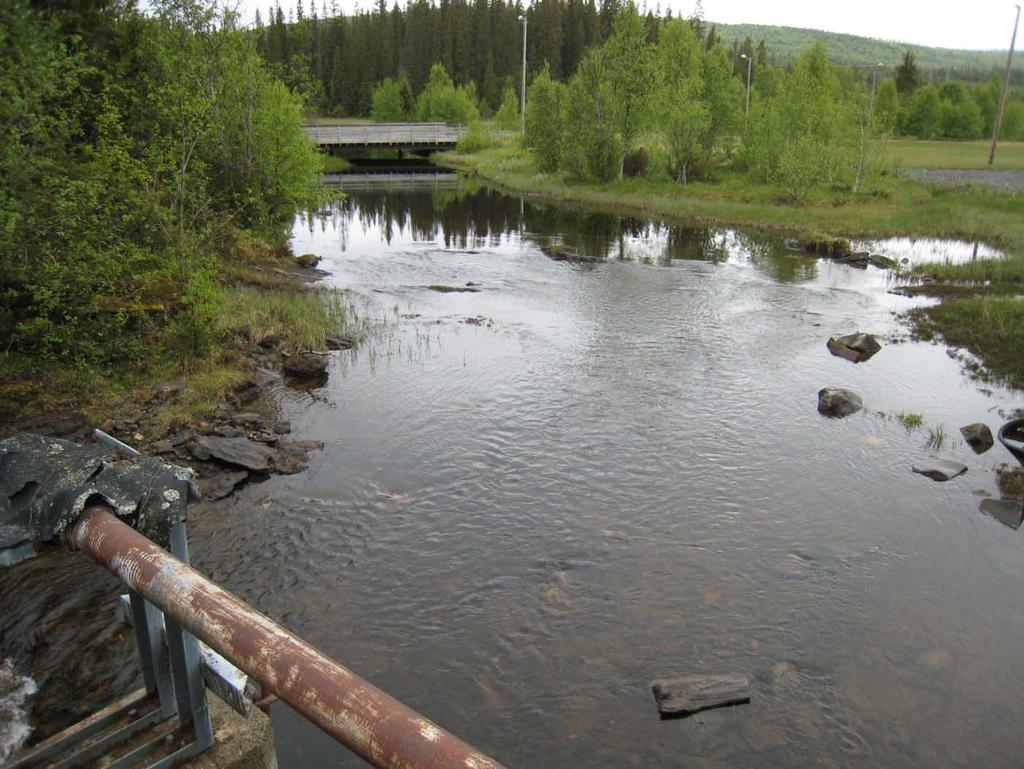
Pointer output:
14, 693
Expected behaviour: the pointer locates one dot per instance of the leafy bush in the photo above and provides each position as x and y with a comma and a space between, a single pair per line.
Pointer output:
441, 101
476, 138
388, 103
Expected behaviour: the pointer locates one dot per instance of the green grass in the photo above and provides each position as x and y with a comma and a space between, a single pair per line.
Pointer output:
336, 165
910, 153
299, 320
990, 327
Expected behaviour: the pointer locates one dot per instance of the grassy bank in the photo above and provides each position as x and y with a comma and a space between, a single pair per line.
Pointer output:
333, 164
979, 310
261, 296
904, 208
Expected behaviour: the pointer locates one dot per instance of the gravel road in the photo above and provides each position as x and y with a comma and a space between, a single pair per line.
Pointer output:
1000, 181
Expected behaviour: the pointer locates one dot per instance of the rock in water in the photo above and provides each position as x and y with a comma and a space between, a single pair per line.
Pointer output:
240, 452
856, 347
338, 342
1009, 512
940, 469
309, 261
686, 695
837, 402
306, 365
221, 485
978, 437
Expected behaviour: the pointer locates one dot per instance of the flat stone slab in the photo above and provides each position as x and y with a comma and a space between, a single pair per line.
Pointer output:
221, 485
240, 452
686, 695
939, 469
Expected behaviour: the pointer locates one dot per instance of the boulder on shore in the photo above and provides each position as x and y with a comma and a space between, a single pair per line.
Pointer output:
240, 452
837, 402
939, 469
857, 347
221, 485
978, 437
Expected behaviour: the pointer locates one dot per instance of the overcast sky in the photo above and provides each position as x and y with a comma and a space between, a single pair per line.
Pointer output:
978, 24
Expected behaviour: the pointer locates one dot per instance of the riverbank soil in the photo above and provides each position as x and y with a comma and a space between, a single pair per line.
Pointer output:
267, 311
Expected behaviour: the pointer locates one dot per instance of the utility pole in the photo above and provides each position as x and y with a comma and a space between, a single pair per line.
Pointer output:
1003, 95
522, 87
871, 101
746, 111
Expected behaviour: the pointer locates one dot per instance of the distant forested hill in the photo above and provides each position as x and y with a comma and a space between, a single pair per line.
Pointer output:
786, 43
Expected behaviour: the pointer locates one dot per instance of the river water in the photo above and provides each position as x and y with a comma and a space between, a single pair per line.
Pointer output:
538, 496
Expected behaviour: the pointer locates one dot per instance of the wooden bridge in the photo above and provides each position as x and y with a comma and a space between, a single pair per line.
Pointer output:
414, 137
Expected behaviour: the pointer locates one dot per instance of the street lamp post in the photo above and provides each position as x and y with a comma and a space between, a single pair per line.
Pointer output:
1006, 88
522, 87
746, 111
871, 101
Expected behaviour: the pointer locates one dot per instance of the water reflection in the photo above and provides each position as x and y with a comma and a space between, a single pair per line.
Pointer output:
471, 218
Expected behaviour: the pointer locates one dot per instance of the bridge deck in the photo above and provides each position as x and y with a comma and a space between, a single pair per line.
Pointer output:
399, 135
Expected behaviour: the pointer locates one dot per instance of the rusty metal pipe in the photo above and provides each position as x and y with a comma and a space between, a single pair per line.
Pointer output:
369, 722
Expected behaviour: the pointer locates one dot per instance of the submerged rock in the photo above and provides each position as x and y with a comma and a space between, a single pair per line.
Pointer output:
1010, 481
686, 695
837, 402
560, 252
240, 452
442, 289
857, 347
1009, 512
939, 469
978, 437
306, 365
339, 342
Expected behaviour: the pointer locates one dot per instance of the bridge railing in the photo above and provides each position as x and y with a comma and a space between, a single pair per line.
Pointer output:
383, 134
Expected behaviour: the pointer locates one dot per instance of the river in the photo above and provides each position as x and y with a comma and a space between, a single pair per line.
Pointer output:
539, 495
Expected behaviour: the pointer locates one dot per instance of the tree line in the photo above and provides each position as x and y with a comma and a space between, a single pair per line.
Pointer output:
131, 147
338, 61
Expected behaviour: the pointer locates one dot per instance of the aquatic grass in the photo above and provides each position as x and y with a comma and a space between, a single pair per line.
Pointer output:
911, 421
298, 320
936, 438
